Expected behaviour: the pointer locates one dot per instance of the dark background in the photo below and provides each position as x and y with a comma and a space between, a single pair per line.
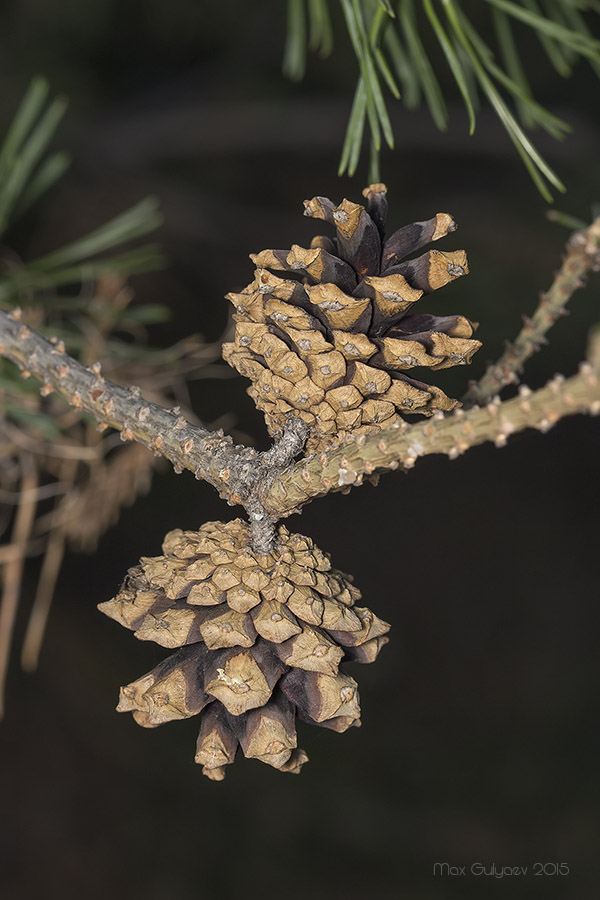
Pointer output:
479, 739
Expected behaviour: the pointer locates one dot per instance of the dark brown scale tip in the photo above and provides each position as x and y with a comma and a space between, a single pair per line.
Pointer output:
433, 269
413, 237
217, 743
377, 205
320, 208
358, 238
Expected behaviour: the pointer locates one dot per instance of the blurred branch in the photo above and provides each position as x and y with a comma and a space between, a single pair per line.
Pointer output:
50, 570
13, 568
583, 257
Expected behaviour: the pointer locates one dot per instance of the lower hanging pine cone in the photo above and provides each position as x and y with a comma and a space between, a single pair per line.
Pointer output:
260, 640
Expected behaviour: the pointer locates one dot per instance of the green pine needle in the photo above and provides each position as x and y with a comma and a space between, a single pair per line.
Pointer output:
24, 153
354, 132
453, 60
321, 33
389, 42
294, 54
134, 223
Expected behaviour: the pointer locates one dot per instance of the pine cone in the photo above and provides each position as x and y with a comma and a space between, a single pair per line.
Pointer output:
331, 342
258, 640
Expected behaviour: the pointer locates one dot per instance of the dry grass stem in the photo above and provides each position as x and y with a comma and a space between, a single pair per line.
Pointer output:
13, 569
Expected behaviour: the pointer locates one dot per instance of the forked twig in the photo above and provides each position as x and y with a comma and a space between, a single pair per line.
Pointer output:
270, 485
401, 445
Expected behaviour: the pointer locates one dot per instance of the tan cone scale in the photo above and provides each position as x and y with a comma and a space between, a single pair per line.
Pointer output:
332, 336
258, 641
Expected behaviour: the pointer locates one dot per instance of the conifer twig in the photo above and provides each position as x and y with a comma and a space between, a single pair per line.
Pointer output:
210, 455
236, 472
400, 446
583, 257
269, 485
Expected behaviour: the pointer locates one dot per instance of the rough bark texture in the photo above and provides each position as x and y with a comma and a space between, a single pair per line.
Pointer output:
269, 485
235, 471
401, 445
258, 622
583, 257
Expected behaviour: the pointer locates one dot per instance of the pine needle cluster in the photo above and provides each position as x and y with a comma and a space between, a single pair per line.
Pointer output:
479, 48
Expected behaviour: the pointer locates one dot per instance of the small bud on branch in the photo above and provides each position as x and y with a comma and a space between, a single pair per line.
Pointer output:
583, 257
270, 485
451, 435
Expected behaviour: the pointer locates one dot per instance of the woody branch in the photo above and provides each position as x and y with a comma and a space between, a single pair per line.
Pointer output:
401, 445
208, 454
582, 257
235, 471
267, 484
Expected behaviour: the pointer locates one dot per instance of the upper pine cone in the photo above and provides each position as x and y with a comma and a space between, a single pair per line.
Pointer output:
333, 339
